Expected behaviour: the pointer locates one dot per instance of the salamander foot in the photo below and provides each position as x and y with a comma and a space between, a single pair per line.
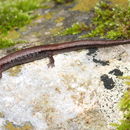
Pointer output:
51, 62
0, 75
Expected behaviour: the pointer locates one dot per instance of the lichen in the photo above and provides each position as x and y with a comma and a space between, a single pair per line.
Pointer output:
62, 1
11, 126
1, 115
122, 3
48, 15
85, 5
14, 71
54, 31
59, 19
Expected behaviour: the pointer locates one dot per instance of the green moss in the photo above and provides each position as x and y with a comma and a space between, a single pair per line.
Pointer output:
15, 14
4, 43
28, 5
127, 83
76, 28
124, 77
12, 18
13, 34
125, 108
125, 103
110, 22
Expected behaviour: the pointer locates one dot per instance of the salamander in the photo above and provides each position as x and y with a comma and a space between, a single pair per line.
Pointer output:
48, 51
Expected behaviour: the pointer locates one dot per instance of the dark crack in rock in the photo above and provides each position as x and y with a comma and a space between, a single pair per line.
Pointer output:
107, 81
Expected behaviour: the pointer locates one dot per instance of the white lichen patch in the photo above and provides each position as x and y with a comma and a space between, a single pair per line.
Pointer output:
68, 96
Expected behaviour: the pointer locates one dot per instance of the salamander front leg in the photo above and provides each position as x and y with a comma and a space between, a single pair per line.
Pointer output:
0, 72
51, 61
0, 75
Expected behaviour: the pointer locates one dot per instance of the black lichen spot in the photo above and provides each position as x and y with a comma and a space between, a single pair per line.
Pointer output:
119, 59
101, 62
108, 82
92, 51
116, 72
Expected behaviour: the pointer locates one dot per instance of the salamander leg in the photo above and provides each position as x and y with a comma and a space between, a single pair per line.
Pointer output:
0, 72
51, 61
0, 75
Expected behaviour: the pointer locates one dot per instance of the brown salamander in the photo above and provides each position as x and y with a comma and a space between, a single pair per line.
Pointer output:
44, 51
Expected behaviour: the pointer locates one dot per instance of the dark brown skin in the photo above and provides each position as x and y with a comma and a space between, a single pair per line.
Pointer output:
44, 51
